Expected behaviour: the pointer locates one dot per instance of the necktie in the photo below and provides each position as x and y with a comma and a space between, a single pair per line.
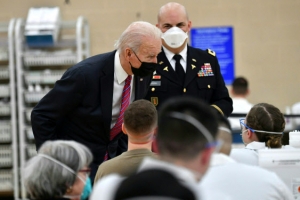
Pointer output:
178, 68
125, 102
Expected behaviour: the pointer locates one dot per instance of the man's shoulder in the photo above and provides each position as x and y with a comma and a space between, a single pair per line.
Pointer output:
93, 63
207, 52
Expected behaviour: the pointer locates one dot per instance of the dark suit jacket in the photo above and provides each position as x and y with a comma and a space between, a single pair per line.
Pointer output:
212, 89
79, 107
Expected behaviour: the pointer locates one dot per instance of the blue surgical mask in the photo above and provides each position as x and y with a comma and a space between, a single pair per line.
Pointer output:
87, 189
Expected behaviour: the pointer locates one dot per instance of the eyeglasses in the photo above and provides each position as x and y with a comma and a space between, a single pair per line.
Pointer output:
86, 170
242, 123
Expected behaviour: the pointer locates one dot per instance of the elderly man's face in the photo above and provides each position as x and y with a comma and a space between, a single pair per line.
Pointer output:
148, 52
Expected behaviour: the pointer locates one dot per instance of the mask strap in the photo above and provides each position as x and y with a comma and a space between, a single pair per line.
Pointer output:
61, 164
195, 123
136, 56
225, 129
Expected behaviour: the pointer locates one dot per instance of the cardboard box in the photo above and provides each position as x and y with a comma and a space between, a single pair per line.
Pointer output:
42, 26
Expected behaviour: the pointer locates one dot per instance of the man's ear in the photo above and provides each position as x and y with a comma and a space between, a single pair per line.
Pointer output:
155, 131
206, 155
204, 160
127, 53
124, 129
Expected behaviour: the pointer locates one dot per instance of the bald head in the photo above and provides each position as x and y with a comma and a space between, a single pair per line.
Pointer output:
172, 7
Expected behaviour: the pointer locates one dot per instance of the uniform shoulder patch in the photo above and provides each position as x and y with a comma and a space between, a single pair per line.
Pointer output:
211, 52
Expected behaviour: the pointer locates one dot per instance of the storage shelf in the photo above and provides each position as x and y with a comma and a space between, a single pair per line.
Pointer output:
4, 73
6, 181
49, 60
43, 77
5, 156
38, 67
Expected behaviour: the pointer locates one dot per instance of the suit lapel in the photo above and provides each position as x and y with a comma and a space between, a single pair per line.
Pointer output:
165, 69
107, 82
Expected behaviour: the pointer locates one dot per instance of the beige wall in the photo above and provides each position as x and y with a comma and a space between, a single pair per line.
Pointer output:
267, 34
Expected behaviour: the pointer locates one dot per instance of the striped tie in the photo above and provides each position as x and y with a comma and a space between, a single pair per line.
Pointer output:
125, 102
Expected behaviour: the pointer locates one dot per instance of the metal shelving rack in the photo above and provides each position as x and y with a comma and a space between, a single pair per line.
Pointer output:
9, 180
38, 68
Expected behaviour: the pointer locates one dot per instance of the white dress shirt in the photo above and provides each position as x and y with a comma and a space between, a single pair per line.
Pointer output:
172, 61
240, 181
119, 81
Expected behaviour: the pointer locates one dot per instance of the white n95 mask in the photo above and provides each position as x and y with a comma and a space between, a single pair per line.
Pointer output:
174, 37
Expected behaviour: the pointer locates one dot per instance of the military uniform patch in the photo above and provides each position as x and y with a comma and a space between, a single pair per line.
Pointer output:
211, 52
154, 100
205, 70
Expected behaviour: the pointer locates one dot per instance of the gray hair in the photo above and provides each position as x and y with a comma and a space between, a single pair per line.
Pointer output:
44, 179
135, 34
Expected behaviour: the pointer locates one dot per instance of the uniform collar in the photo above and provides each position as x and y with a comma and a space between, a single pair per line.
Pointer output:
170, 54
256, 145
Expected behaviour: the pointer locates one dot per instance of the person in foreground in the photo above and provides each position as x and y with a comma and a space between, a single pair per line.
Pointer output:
140, 124
185, 139
184, 70
237, 180
262, 128
87, 104
59, 171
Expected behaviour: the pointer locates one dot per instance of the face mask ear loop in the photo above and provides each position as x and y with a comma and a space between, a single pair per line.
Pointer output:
61, 164
195, 123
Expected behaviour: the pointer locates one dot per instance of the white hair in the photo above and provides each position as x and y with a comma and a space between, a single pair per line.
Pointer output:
135, 34
45, 179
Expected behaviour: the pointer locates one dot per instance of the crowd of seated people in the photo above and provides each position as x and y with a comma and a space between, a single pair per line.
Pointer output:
194, 159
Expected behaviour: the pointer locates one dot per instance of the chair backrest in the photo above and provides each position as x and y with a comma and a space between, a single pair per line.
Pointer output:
285, 163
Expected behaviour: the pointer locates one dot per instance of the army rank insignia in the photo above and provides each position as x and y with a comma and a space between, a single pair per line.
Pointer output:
205, 70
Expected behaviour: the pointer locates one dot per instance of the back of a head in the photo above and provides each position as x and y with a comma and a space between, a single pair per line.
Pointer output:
240, 86
136, 34
45, 178
179, 127
140, 118
153, 184
266, 117
225, 135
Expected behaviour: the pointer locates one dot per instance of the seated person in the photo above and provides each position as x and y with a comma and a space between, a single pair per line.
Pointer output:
140, 123
296, 111
185, 142
262, 128
237, 180
59, 171
239, 94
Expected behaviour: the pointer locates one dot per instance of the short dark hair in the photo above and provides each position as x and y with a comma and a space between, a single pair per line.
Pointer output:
179, 138
140, 117
153, 184
266, 117
240, 85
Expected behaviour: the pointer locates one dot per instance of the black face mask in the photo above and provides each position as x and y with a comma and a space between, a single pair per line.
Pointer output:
146, 68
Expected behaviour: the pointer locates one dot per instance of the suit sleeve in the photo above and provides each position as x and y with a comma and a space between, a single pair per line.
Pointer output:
60, 101
221, 100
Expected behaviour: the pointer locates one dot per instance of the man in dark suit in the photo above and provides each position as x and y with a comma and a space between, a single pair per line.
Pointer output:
86, 104
195, 73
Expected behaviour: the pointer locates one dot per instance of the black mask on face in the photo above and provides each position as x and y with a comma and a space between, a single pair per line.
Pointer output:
146, 68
